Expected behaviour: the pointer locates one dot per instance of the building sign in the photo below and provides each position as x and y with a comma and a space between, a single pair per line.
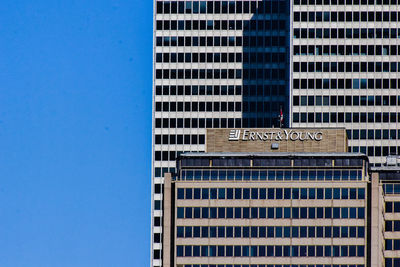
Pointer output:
275, 135
276, 140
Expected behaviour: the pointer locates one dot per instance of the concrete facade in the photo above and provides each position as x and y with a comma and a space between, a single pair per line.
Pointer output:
313, 221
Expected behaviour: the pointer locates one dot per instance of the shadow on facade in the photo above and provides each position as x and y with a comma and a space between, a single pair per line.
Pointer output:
266, 56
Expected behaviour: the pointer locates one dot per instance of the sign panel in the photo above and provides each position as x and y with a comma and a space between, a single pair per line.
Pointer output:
276, 139
275, 135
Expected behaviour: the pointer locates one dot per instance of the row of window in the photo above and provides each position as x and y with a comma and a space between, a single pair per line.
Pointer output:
199, 41
199, 90
345, 67
220, 7
373, 134
392, 226
166, 155
271, 175
392, 244
199, 123
390, 175
346, 83
348, 50
376, 151
348, 33
271, 193
349, 16
277, 265
270, 251
345, 2
256, 25
392, 262
198, 106
267, 162
334, 117
270, 213
248, 90
363, 100
253, 57
392, 189
198, 57
199, 74
261, 120
268, 42
278, 73
179, 139
270, 231
392, 206
159, 172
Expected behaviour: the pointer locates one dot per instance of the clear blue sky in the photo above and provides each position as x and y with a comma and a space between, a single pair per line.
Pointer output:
75, 132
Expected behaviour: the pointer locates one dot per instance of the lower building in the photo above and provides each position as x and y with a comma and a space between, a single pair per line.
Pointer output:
258, 200
386, 184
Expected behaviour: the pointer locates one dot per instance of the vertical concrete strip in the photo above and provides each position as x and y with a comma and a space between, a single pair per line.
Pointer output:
376, 221
167, 215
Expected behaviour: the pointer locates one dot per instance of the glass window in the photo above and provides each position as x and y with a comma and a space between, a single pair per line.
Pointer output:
336, 213
295, 193
221, 193
271, 193
345, 193
278, 213
353, 193
287, 193
254, 193
213, 193
336, 193
353, 212
320, 193
229, 231
345, 213
263, 193
181, 193
361, 193
246, 193
328, 193
311, 213
303, 193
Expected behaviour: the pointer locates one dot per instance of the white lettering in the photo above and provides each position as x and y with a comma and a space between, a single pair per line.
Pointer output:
252, 134
292, 137
286, 135
245, 134
318, 136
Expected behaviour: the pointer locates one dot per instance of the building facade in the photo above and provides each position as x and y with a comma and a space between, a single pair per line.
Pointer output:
268, 210
276, 208
386, 184
232, 64
345, 67
217, 64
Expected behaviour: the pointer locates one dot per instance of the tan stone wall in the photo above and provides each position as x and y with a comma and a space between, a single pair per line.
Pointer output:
333, 140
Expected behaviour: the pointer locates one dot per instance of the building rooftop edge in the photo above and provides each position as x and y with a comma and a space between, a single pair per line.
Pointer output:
261, 154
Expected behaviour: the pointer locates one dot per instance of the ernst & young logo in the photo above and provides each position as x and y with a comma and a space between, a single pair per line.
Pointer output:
282, 135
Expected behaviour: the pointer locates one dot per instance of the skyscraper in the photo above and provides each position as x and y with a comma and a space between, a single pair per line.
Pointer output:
218, 64
226, 64
345, 71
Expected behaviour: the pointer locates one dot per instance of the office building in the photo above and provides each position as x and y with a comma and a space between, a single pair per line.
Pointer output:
232, 64
276, 208
268, 209
345, 71
217, 64
386, 205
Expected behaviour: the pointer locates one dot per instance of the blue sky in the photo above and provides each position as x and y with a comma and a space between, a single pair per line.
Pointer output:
75, 132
